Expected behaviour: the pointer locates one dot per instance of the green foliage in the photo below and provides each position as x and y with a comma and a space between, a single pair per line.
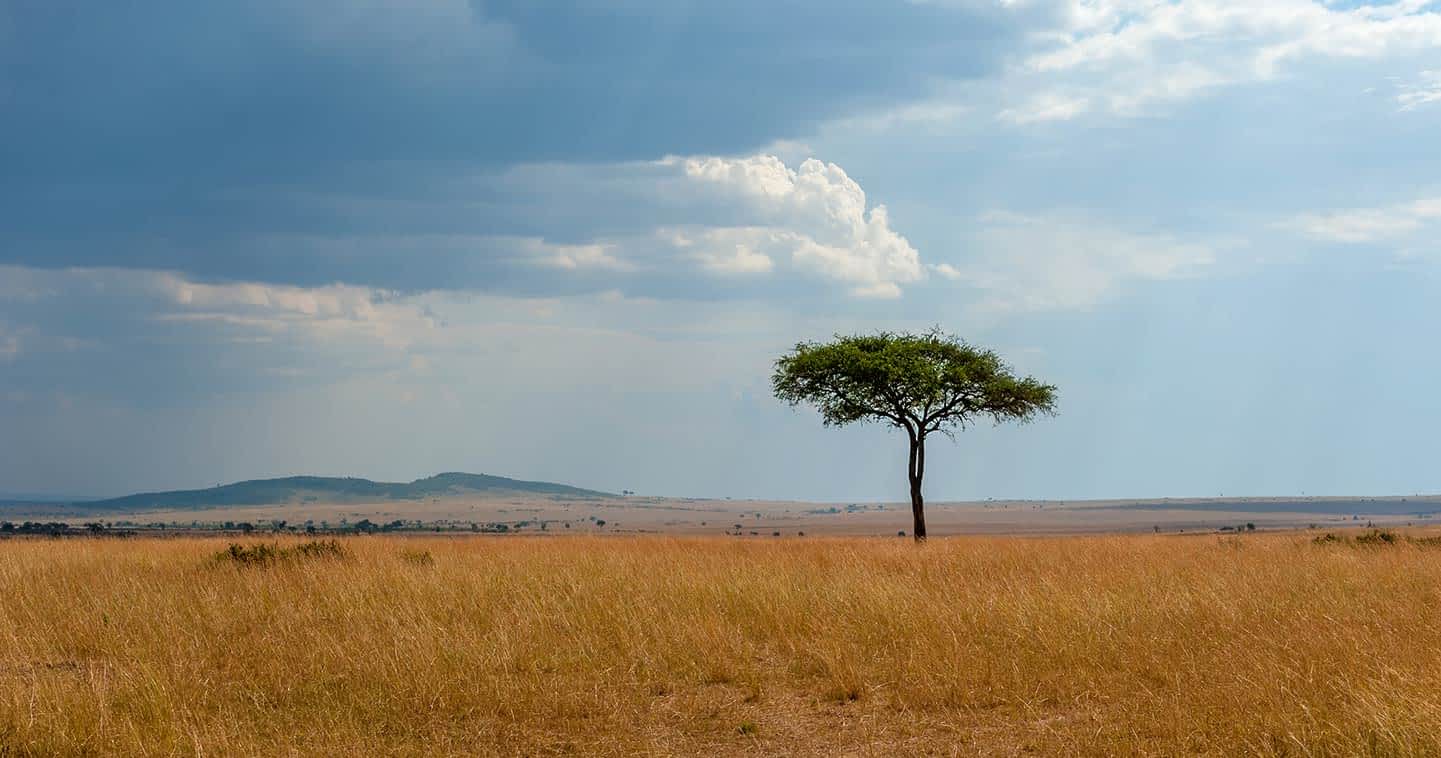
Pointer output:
922, 383
919, 382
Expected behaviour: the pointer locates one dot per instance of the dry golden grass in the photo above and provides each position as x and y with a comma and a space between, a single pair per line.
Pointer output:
1265, 644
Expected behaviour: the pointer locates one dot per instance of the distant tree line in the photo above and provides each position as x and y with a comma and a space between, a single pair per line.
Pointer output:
58, 529
276, 526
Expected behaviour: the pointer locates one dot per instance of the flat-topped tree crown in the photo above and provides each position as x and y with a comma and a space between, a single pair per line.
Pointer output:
922, 383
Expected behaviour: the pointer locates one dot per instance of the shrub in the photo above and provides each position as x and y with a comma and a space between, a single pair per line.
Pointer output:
417, 557
264, 553
249, 556
1378, 537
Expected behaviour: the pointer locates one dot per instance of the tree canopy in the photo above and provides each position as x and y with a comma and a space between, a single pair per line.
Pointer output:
921, 383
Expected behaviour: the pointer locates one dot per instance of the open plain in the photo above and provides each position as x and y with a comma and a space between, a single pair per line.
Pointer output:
718, 517
1267, 643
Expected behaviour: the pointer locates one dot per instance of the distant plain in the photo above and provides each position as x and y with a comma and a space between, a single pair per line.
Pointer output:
683, 516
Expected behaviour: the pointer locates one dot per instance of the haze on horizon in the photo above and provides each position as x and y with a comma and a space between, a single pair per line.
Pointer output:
562, 241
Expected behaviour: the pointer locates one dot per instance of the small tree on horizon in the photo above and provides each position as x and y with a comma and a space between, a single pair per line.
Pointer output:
921, 383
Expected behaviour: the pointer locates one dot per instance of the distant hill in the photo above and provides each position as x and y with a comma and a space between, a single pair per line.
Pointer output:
33, 508
325, 488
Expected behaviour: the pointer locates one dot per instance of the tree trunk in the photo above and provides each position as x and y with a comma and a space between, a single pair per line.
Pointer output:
916, 472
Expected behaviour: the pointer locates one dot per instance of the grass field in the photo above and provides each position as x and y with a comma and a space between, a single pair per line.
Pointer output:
1264, 643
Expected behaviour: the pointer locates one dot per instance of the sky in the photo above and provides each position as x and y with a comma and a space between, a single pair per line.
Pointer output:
566, 240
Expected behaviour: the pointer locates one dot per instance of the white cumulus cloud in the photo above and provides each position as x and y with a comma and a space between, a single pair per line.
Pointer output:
815, 216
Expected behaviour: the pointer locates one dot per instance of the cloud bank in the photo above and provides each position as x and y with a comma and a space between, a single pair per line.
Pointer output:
1129, 57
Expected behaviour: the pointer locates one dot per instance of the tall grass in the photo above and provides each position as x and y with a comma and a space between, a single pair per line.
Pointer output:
1092, 646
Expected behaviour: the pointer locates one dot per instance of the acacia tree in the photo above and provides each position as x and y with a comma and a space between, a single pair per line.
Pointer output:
922, 383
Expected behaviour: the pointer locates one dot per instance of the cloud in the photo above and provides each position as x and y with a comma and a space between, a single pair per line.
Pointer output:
945, 270
1046, 106
90, 308
1124, 57
1044, 262
1369, 224
679, 227
297, 87
818, 219
389, 145
249, 379
727, 252
334, 312
1423, 92
687, 223
148, 338
572, 257
9, 343
935, 113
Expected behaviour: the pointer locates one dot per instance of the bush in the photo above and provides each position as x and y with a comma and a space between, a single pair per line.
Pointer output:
417, 557
249, 556
1378, 537
267, 553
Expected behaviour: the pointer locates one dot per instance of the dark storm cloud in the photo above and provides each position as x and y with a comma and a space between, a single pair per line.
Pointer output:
171, 135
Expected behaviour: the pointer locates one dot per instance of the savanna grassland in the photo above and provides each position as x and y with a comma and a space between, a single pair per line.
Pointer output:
1261, 644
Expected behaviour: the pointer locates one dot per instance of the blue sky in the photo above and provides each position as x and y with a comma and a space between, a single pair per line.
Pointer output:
565, 240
